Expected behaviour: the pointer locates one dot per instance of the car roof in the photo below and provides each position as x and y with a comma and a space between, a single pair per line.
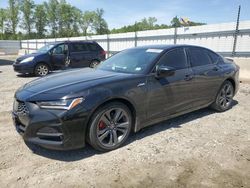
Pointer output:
167, 46
74, 41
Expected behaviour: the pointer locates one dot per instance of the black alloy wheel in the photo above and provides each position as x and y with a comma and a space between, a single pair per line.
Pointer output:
224, 97
110, 126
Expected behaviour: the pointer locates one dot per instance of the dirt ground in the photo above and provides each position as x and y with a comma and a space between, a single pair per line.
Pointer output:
199, 149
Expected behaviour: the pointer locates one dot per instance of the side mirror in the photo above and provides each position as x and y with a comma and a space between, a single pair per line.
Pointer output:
164, 71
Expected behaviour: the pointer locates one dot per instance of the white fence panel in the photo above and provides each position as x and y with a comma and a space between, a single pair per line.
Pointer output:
218, 37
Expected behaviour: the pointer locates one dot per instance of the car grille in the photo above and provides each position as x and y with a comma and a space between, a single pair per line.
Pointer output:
20, 108
21, 128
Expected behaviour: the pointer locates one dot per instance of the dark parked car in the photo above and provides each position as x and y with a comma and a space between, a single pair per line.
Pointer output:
133, 89
60, 55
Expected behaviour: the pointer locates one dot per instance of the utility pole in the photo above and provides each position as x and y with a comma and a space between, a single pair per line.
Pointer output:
236, 32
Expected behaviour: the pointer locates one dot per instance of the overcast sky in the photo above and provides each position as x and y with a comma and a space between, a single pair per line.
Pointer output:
123, 12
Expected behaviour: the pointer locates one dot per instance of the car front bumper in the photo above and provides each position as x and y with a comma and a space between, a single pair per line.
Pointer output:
53, 129
23, 68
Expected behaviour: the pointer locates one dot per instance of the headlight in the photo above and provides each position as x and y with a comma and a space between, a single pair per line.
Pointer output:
61, 104
27, 60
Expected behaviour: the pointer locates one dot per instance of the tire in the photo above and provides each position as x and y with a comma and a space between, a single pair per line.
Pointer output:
67, 62
94, 63
224, 98
41, 69
110, 126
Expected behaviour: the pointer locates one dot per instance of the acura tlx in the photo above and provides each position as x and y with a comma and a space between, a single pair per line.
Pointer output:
132, 89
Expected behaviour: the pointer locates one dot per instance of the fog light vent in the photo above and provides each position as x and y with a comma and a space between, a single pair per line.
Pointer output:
50, 134
48, 130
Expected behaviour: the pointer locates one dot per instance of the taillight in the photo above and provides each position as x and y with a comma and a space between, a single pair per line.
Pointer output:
103, 52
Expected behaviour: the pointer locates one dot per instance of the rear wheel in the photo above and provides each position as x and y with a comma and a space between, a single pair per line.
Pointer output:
110, 126
224, 97
94, 64
41, 69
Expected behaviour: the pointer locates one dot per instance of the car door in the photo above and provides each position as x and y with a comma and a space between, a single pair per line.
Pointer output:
94, 51
207, 73
170, 95
80, 55
58, 55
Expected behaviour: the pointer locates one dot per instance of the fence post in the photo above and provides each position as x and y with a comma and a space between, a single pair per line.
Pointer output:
108, 45
175, 35
36, 44
28, 46
20, 44
236, 33
135, 38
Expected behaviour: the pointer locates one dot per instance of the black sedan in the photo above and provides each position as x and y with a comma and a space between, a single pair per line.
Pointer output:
133, 89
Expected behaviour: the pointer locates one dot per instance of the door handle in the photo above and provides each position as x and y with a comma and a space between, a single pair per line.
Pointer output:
188, 77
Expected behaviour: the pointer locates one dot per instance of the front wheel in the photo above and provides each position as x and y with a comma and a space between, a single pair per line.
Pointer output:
110, 126
224, 97
94, 64
41, 69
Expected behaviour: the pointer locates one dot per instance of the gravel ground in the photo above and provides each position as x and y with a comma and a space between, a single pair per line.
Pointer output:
199, 149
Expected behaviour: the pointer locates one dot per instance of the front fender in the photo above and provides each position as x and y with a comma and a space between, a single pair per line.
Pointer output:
126, 91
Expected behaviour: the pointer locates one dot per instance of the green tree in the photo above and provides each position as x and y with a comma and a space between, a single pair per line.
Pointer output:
191, 23
100, 25
175, 22
76, 15
68, 19
27, 9
144, 24
52, 12
151, 22
40, 19
87, 21
3, 18
13, 16
64, 18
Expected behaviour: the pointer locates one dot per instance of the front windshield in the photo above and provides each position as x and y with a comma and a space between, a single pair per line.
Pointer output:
134, 61
45, 48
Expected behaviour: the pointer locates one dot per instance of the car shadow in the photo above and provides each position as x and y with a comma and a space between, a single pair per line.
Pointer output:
176, 122
25, 75
20, 75
5, 62
88, 151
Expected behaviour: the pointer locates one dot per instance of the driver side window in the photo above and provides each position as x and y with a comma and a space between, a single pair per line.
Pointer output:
60, 49
175, 58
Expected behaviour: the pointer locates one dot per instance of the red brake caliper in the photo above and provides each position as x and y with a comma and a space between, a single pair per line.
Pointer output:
102, 125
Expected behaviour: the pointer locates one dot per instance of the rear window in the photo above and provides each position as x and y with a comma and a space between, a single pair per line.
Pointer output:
93, 47
198, 57
175, 58
79, 47
213, 56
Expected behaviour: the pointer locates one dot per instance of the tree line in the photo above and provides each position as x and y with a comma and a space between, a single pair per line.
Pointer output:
23, 19
151, 24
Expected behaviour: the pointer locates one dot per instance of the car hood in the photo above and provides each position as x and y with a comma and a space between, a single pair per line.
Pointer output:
66, 84
29, 55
